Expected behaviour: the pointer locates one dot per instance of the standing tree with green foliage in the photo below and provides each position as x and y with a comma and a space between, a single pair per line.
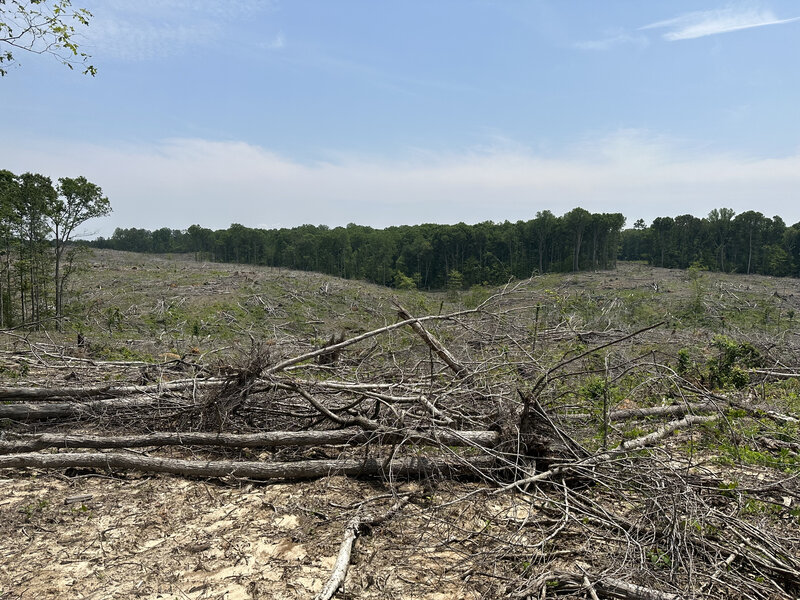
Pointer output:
577, 221
35, 200
721, 221
78, 201
747, 243
37, 224
8, 194
543, 228
42, 27
662, 238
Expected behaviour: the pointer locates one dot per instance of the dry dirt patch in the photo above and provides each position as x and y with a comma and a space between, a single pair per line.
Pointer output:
171, 538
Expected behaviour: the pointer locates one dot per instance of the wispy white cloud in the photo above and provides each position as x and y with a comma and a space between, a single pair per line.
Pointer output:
131, 41
149, 29
185, 8
712, 22
175, 183
612, 40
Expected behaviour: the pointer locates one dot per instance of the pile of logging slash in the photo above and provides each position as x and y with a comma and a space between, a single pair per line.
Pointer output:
488, 407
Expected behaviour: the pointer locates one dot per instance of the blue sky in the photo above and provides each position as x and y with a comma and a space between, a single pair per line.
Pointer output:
277, 113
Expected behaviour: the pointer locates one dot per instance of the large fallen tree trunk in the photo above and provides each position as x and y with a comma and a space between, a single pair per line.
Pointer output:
105, 391
30, 443
116, 461
607, 587
67, 410
32, 394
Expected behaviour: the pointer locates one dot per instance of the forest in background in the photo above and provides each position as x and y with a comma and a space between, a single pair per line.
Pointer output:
38, 218
723, 241
424, 256
434, 256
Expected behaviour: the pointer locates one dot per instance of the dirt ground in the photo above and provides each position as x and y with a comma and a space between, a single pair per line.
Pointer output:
171, 538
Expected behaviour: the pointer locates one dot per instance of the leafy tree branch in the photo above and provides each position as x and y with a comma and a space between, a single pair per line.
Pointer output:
43, 27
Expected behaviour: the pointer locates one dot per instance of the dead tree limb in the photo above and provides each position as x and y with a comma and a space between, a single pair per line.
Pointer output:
66, 410
313, 354
342, 560
359, 420
778, 374
617, 588
608, 587
310, 469
352, 530
655, 411
537, 387
271, 439
752, 410
434, 344
105, 391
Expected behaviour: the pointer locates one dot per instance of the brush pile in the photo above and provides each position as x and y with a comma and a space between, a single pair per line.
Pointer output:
547, 460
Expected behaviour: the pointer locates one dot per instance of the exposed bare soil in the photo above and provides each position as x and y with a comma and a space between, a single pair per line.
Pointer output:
166, 537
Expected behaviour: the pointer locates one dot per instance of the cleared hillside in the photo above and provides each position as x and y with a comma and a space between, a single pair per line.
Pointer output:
640, 428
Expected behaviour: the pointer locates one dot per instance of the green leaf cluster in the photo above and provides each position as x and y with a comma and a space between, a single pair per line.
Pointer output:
728, 368
42, 27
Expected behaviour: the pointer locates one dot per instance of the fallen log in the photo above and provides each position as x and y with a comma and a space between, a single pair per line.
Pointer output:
105, 391
19, 394
618, 588
310, 469
65, 410
654, 411
353, 529
270, 439
608, 587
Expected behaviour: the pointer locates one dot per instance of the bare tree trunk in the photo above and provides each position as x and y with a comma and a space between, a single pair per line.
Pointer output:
105, 391
58, 252
654, 411
65, 410
401, 467
268, 439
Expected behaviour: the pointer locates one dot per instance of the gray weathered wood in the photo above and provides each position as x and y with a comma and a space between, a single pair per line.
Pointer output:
117, 461
32, 442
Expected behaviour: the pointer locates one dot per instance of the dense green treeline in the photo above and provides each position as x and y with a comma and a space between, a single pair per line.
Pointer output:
37, 222
438, 256
426, 256
723, 241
